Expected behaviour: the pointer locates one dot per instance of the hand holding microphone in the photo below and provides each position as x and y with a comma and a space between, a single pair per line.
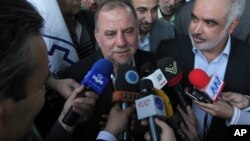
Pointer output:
95, 80
118, 119
210, 89
83, 106
126, 91
167, 133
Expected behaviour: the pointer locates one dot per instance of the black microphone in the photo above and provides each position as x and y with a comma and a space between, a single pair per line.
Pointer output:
126, 83
173, 73
95, 80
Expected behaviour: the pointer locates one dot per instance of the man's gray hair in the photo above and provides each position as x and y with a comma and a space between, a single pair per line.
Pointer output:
234, 10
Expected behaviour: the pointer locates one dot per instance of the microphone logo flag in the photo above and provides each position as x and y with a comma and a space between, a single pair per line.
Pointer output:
96, 80
151, 105
132, 77
172, 68
158, 103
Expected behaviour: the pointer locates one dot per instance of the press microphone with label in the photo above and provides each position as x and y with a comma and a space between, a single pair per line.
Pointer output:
147, 69
95, 80
126, 90
150, 106
208, 87
173, 73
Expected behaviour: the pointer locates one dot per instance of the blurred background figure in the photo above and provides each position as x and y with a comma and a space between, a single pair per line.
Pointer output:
151, 29
90, 5
80, 24
167, 9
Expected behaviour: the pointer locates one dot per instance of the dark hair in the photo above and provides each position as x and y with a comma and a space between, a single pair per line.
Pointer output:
108, 5
19, 22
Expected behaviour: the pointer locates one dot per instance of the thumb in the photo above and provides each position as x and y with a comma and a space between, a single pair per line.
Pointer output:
76, 92
161, 124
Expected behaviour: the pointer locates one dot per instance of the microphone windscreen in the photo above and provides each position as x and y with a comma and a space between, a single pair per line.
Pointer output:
145, 84
198, 78
127, 78
171, 70
104, 66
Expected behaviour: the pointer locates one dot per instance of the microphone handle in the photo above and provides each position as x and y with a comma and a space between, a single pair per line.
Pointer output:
180, 96
153, 129
71, 116
127, 132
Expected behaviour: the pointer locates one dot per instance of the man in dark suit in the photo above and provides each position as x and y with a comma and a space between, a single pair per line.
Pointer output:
211, 48
117, 35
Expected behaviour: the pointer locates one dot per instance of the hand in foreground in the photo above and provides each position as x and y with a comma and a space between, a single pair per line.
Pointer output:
167, 132
190, 127
84, 106
118, 119
236, 99
219, 109
64, 87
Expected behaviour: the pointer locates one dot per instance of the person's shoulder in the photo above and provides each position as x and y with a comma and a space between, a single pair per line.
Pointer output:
79, 69
160, 22
180, 42
174, 46
144, 53
87, 13
186, 6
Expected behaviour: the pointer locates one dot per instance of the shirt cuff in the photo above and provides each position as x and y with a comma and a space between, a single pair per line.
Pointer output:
104, 135
235, 117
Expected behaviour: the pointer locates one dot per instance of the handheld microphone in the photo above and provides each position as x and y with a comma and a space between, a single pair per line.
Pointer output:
126, 83
147, 69
156, 76
173, 73
209, 87
95, 80
150, 106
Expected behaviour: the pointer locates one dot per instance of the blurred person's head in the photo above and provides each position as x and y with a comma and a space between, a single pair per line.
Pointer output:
213, 21
168, 7
117, 31
146, 11
90, 5
69, 7
23, 68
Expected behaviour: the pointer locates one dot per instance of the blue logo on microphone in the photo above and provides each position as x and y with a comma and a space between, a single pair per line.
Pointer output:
131, 77
158, 103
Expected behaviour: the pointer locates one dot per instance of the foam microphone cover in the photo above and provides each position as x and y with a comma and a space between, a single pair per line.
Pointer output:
198, 78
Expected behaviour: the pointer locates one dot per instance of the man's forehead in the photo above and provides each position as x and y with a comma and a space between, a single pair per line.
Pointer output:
212, 9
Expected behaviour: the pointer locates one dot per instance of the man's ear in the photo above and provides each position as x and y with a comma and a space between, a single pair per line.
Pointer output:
96, 36
233, 25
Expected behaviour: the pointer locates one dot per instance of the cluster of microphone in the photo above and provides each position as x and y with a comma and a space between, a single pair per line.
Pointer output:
146, 92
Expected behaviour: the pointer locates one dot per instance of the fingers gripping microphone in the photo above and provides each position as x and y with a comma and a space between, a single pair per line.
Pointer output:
173, 73
95, 80
150, 106
126, 84
208, 87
